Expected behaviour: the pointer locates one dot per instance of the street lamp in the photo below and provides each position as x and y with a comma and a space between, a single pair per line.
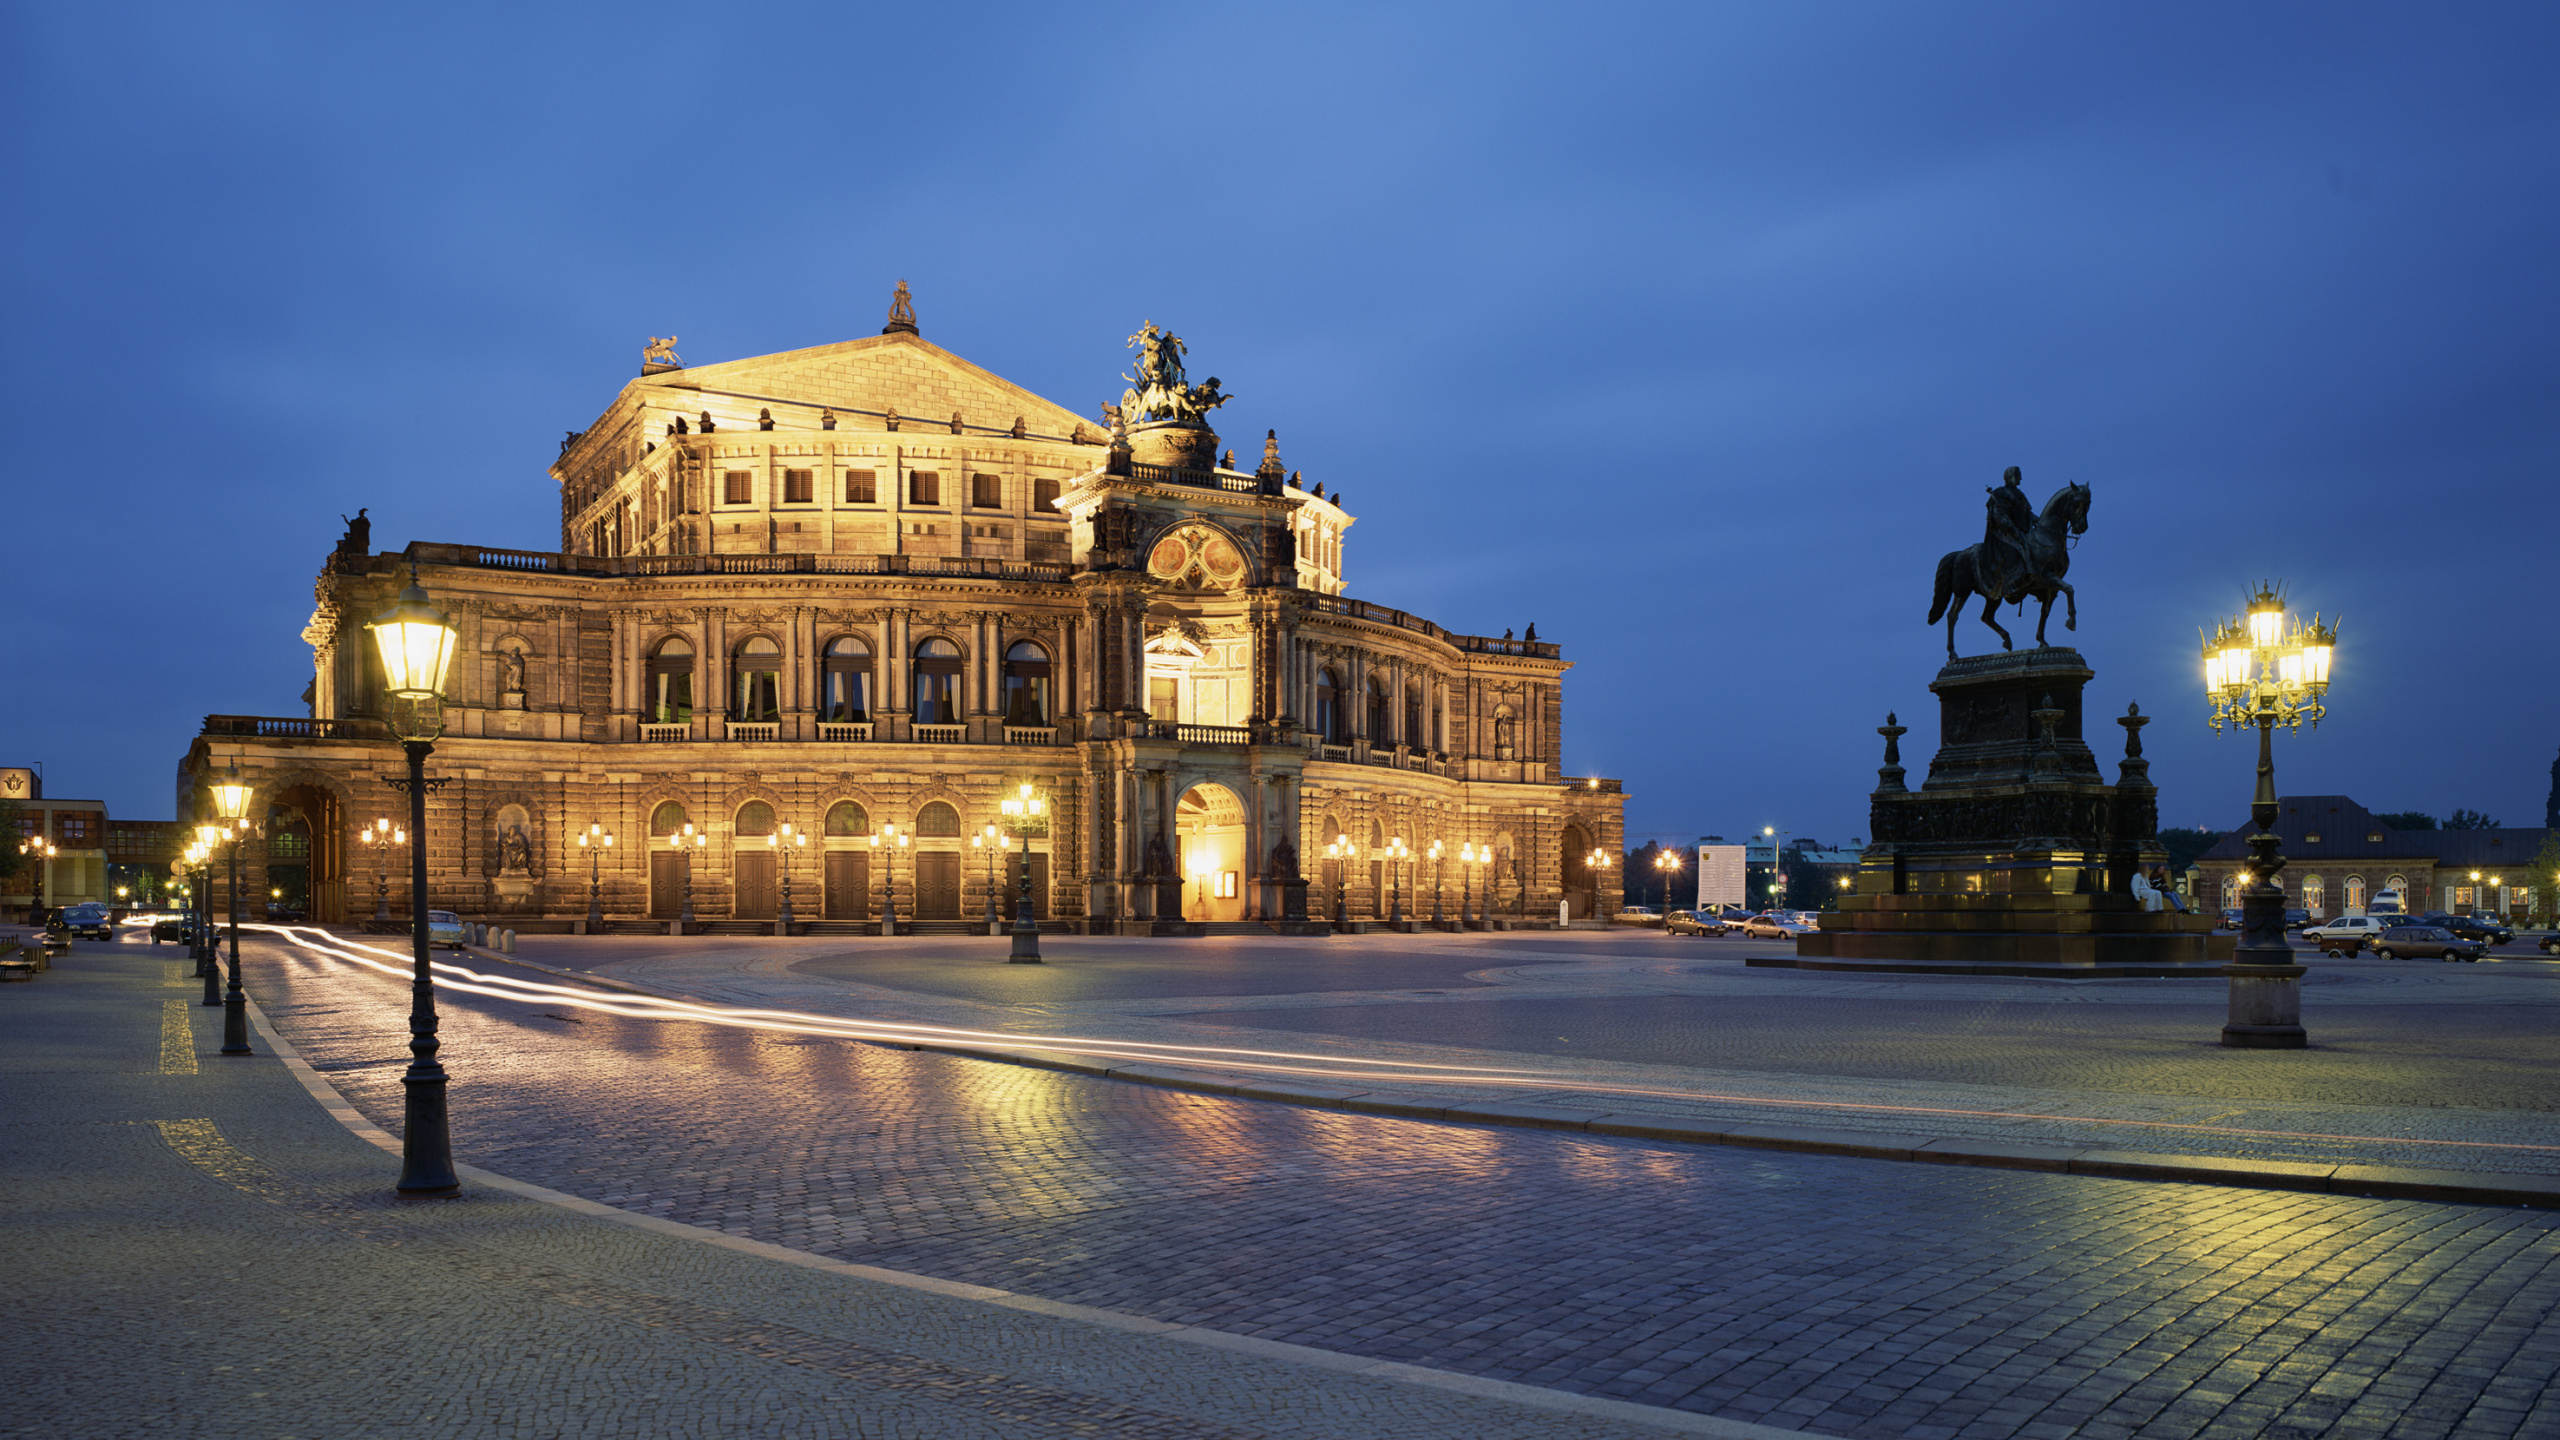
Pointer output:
887, 844
1598, 862
208, 951
1777, 878
1340, 850
1439, 882
416, 644
1023, 810
1471, 857
987, 842
595, 840
1666, 863
684, 844
2262, 670
43, 851
1397, 852
231, 799
782, 841
376, 837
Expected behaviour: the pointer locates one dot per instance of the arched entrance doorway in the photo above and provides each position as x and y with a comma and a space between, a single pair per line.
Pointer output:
1581, 882
1210, 850
306, 854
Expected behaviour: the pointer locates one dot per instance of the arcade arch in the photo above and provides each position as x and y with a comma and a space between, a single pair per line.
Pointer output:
1210, 846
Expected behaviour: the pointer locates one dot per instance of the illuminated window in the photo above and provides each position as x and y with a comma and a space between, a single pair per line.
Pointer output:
938, 820
1026, 684
1164, 698
737, 487
861, 487
937, 683
844, 690
1331, 722
757, 694
2355, 892
986, 492
755, 818
670, 696
2230, 892
924, 487
799, 487
2313, 893
667, 819
847, 818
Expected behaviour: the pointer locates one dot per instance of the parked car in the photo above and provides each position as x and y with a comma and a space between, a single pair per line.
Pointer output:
88, 920
445, 928
2230, 920
2549, 944
1690, 922
1637, 915
2420, 941
2297, 919
1775, 926
2348, 933
2472, 927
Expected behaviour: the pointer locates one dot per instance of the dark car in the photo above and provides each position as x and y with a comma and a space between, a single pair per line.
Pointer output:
2296, 919
1690, 922
89, 920
2472, 927
2418, 942
2549, 944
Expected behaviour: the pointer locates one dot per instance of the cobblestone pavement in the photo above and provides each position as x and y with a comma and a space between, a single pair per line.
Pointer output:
194, 1248
2423, 1065
1832, 1295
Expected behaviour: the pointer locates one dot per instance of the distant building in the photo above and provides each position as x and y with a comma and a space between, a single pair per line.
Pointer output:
2337, 855
139, 853
77, 870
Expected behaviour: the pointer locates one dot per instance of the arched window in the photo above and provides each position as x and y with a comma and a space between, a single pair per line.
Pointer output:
844, 682
1331, 722
2355, 893
667, 819
1378, 713
937, 684
1413, 735
1026, 684
2230, 892
670, 695
847, 818
2313, 893
755, 818
938, 819
756, 693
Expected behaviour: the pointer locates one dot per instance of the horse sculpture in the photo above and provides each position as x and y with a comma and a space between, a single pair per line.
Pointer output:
2047, 559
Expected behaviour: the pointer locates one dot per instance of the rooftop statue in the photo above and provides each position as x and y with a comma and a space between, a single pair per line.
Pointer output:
1160, 390
661, 352
2023, 553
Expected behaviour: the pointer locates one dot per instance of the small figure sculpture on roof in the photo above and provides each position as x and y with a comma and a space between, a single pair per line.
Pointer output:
955, 422
359, 537
764, 418
707, 426
827, 418
661, 352
680, 427
1020, 430
1532, 634
891, 418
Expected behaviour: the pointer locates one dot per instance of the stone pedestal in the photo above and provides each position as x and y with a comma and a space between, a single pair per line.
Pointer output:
2015, 850
513, 892
2266, 1007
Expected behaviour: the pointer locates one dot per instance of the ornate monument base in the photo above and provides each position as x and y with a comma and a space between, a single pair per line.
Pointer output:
2015, 856
513, 892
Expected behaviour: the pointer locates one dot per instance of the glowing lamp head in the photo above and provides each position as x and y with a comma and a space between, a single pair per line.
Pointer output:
2319, 644
2266, 618
416, 643
231, 795
208, 835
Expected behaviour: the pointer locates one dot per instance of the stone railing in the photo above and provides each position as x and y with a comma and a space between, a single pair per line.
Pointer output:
1031, 735
284, 727
979, 567
940, 734
1344, 605
836, 731
756, 731
661, 734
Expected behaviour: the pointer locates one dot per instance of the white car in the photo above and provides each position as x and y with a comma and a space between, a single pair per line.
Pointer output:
445, 928
2348, 932
1775, 926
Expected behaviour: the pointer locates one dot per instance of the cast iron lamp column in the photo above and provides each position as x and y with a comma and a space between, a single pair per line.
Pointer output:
1599, 861
782, 842
987, 842
1777, 881
1340, 850
1468, 860
416, 643
595, 840
1022, 810
43, 851
1439, 884
887, 844
1666, 863
2260, 671
231, 798
1397, 852
685, 844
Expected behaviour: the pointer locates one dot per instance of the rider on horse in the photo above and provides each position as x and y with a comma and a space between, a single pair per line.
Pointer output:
2008, 561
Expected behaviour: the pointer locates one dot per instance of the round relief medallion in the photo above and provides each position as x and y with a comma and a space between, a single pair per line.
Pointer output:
1221, 558
1170, 556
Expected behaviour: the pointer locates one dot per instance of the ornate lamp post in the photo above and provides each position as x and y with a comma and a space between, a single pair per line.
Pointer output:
1666, 863
1398, 853
987, 842
595, 840
416, 643
1470, 859
1439, 883
43, 851
887, 844
1599, 862
208, 955
783, 841
1777, 878
2260, 670
231, 799
684, 844
2480, 902
1023, 810
376, 837
1340, 850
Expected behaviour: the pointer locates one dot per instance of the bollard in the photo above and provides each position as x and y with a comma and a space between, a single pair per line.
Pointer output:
507, 941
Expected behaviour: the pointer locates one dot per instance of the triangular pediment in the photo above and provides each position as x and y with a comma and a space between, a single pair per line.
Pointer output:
919, 379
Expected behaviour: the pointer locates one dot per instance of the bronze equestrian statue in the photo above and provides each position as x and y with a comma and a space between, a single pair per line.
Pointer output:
2023, 553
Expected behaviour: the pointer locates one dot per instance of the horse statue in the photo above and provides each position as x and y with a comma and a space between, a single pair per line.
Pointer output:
1961, 572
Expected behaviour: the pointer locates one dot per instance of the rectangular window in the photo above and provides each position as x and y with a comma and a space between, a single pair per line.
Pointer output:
861, 487
1163, 698
924, 487
986, 492
799, 487
1044, 496
737, 487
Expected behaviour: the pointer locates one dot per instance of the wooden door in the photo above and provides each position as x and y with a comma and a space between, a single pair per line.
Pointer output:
666, 885
1378, 888
938, 885
848, 885
756, 892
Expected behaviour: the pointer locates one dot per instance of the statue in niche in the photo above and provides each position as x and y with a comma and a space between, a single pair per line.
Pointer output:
1284, 860
515, 852
511, 671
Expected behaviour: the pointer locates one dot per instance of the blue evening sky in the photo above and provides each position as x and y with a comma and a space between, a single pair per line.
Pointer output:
1691, 333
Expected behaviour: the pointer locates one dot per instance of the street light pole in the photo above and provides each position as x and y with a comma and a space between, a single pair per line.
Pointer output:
1467, 862
595, 840
1439, 883
1024, 809
231, 799
685, 844
783, 840
887, 843
2263, 672
987, 842
417, 643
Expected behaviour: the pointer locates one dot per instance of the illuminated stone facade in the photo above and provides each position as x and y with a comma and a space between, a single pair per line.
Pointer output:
870, 584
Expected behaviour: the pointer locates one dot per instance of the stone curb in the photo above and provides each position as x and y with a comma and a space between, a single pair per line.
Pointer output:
2392, 1182
1535, 1397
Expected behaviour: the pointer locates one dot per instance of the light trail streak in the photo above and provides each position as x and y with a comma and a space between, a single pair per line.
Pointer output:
1310, 1066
